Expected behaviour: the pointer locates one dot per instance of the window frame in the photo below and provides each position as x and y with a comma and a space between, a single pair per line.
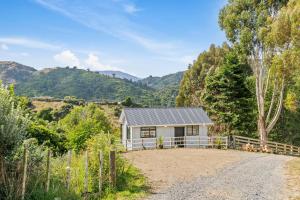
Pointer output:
195, 130
145, 132
128, 133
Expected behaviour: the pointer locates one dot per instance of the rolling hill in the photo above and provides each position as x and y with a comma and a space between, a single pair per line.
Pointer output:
60, 82
12, 72
119, 74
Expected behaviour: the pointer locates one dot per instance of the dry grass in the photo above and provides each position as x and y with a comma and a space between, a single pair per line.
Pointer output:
163, 168
41, 105
293, 178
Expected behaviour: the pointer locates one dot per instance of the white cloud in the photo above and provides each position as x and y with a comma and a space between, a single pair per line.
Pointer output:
4, 47
31, 43
67, 57
94, 64
131, 8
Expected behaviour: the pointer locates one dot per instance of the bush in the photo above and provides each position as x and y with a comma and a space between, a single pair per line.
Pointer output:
82, 123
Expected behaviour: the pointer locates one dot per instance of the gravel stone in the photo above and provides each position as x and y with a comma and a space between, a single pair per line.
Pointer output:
260, 176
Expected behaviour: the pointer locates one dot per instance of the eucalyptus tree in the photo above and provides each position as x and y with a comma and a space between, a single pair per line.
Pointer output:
267, 32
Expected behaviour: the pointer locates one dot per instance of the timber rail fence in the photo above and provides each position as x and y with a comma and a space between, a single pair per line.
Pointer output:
239, 142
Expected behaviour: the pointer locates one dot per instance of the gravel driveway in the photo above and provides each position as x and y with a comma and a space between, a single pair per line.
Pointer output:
259, 176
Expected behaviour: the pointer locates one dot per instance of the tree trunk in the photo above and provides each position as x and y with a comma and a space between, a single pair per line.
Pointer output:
261, 125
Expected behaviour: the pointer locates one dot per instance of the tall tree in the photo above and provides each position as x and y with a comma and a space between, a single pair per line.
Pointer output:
228, 99
193, 82
269, 37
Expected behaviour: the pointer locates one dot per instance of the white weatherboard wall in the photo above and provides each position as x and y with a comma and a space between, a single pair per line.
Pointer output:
167, 133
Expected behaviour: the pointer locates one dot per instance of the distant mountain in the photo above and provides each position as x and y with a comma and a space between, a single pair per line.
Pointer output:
164, 81
119, 74
12, 72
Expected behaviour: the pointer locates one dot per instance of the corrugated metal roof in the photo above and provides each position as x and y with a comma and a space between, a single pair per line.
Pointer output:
164, 116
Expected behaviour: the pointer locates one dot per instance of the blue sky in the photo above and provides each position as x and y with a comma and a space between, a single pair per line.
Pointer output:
141, 37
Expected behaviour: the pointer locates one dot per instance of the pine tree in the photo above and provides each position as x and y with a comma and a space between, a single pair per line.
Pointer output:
228, 100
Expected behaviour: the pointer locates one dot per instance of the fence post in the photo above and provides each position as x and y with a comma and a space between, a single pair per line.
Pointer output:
226, 142
48, 170
100, 171
69, 169
86, 175
234, 142
112, 168
25, 160
284, 148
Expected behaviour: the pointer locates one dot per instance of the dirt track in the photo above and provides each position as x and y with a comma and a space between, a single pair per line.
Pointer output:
212, 174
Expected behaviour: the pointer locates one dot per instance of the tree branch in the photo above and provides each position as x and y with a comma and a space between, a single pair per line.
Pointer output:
279, 108
272, 103
267, 83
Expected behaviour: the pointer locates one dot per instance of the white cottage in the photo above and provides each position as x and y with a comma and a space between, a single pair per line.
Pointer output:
144, 128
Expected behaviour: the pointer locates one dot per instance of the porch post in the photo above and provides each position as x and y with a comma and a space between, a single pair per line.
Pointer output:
131, 138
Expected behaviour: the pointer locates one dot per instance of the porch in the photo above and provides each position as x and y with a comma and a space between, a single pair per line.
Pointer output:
176, 142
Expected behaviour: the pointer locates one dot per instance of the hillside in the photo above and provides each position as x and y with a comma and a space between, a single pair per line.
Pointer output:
119, 74
12, 72
164, 81
61, 82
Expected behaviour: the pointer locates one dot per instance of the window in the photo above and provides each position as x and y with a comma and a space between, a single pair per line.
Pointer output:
128, 133
192, 130
148, 132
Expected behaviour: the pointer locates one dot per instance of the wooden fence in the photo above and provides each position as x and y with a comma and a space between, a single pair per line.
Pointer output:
111, 163
238, 142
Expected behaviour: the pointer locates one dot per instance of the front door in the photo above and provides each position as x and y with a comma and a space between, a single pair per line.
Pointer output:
179, 136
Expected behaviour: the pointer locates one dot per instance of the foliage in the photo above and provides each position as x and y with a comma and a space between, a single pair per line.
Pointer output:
267, 32
193, 82
13, 122
228, 100
130, 183
46, 114
82, 123
47, 137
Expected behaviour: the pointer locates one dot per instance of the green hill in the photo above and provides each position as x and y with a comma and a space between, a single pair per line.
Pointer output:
12, 72
60, 82
169, 80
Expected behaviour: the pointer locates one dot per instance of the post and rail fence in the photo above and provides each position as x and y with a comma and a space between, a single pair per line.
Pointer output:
239, 143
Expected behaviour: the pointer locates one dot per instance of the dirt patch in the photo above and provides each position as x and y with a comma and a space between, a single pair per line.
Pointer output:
167, 167
41, 105
293, 178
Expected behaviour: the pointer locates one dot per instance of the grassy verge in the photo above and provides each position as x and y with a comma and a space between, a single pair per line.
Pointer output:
293, 173
132, 185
